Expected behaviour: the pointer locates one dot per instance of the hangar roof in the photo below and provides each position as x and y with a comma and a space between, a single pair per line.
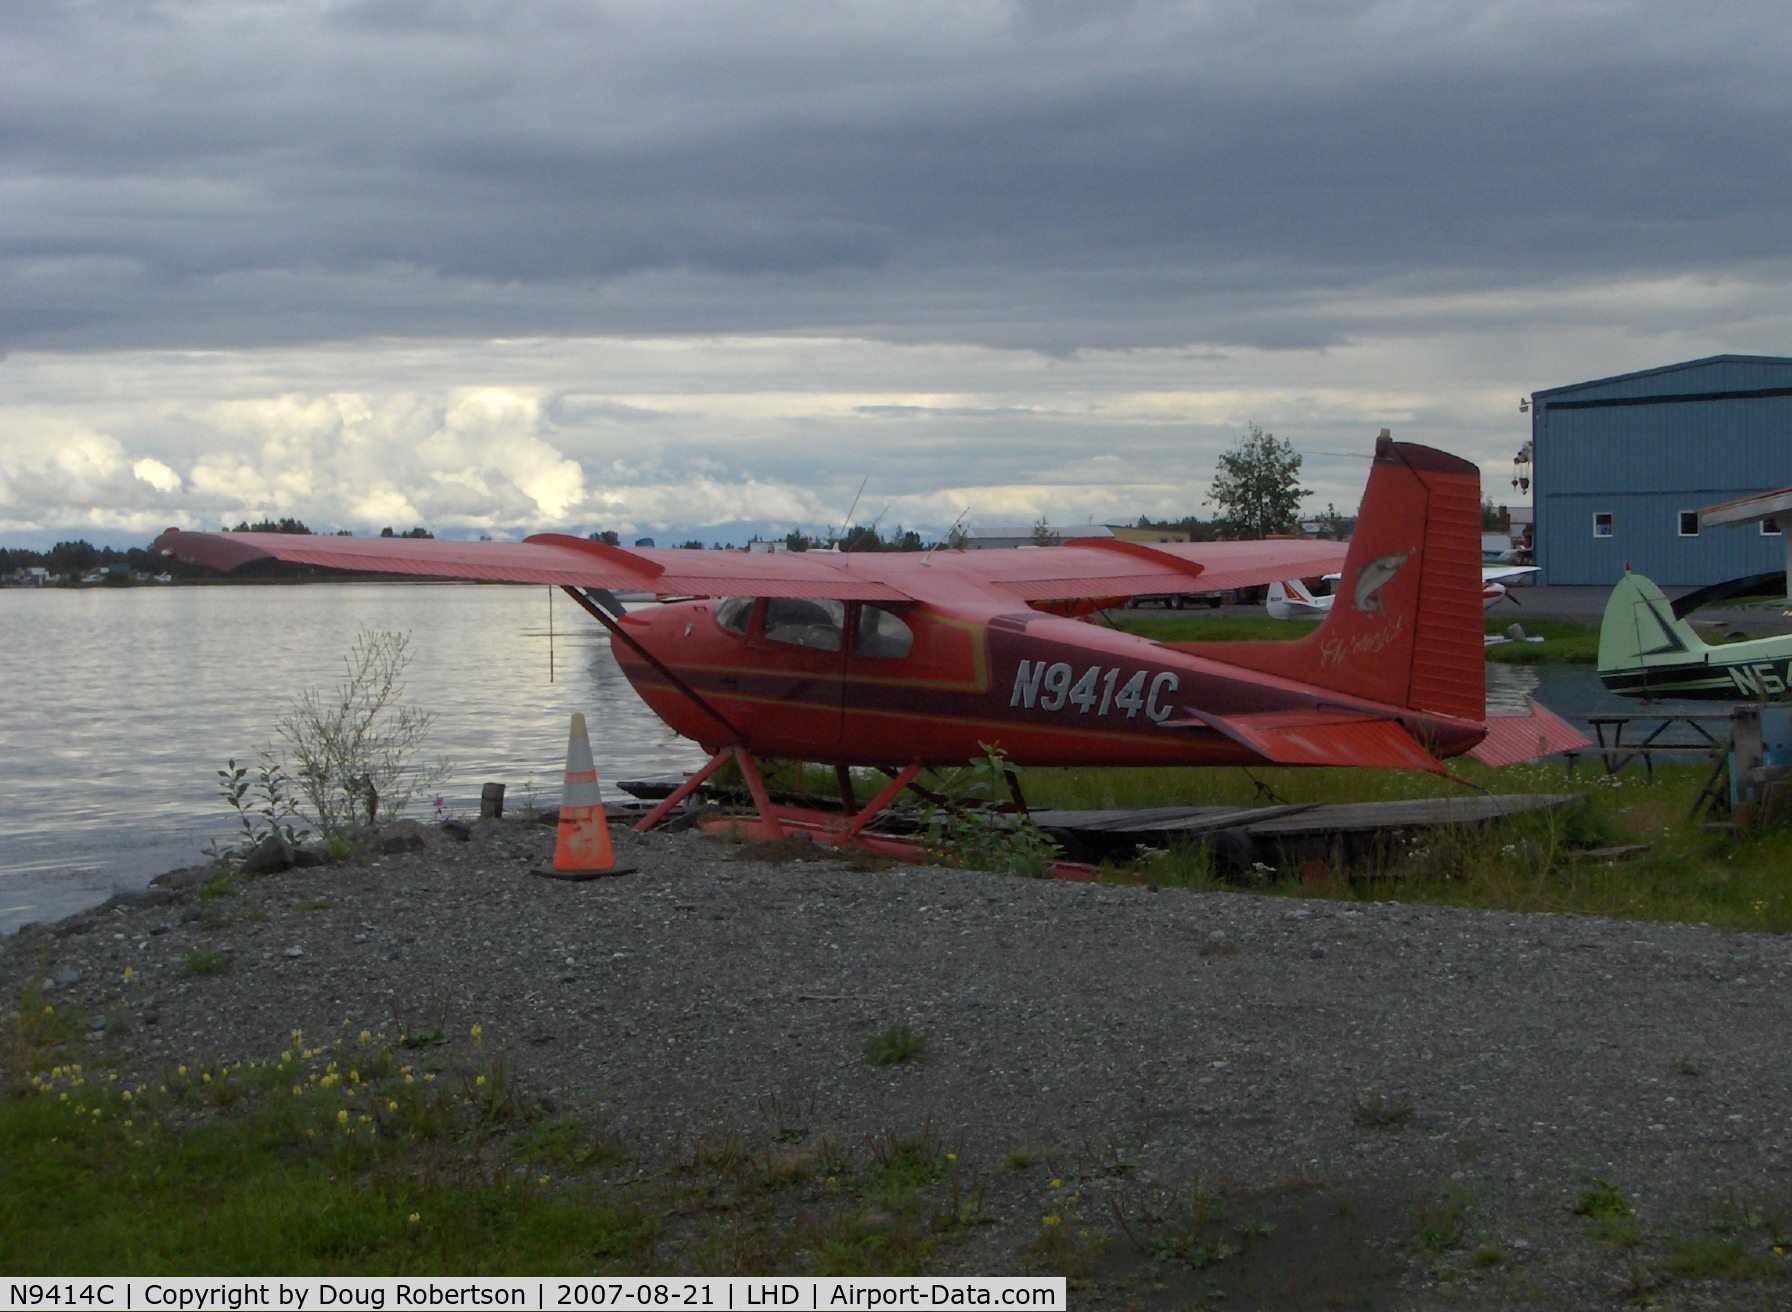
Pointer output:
1724, 375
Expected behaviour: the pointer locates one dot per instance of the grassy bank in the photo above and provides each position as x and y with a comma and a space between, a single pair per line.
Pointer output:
381, 1155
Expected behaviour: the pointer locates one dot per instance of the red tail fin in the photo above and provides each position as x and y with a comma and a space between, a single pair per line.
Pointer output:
1406, 627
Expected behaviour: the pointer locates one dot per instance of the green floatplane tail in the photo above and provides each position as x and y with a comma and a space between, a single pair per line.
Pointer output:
1645, 650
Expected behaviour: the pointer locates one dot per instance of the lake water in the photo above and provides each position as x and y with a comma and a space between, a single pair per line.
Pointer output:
122, 704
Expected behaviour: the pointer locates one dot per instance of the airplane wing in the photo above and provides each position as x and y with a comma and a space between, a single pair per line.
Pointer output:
1501, 573
1107, 567
547, 558
1085, 567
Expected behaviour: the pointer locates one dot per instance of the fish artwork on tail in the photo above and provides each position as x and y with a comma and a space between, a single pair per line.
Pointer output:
1375, 575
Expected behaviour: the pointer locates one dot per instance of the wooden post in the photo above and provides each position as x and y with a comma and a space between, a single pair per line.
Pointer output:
1745, 759
491, 802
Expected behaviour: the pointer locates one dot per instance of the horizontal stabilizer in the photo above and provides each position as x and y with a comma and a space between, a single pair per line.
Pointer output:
1323, 737
1514, 736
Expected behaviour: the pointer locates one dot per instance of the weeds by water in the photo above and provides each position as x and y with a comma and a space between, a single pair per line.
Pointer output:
967, 827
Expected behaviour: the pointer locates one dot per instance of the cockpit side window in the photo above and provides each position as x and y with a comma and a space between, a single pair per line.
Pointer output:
805, 622
881, 633
733, 613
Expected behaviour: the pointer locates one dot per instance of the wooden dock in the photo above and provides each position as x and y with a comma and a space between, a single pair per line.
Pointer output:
1301, 829
1238, 835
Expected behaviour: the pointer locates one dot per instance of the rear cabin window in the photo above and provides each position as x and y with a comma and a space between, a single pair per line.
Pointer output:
733, 613
805, 622
880, 633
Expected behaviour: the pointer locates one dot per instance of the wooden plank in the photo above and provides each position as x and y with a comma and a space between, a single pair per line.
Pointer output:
1420, 813
1300, 818
1121, 821
1162, 820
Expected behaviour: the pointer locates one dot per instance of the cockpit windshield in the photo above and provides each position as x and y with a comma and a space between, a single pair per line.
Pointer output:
732, 613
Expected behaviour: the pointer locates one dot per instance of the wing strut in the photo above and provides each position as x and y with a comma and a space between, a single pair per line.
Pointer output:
598, 613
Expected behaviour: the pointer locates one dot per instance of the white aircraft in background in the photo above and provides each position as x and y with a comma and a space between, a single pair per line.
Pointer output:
1291, 600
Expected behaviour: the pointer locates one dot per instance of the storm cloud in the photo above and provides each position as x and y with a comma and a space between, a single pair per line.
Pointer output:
969, 228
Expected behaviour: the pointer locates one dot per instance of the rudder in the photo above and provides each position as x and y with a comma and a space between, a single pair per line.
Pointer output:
1639, 632
1405, 629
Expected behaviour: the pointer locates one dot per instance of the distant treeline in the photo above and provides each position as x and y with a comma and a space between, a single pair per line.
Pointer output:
68, 562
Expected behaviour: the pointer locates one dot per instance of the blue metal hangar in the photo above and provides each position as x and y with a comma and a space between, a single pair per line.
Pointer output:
1621, 467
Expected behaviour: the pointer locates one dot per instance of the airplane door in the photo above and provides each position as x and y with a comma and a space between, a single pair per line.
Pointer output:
801, 642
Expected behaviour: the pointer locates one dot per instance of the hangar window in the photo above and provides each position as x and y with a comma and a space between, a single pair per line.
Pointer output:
1602, 523
1770, 528
1689, 523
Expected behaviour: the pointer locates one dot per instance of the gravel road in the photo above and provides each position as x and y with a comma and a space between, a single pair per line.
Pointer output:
1415, 1099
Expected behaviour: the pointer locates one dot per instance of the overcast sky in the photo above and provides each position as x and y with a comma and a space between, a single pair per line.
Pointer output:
504, 265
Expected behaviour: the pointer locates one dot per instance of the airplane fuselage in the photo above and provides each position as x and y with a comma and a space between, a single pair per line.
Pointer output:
909, 681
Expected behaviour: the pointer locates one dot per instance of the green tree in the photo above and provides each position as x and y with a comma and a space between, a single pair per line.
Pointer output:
75, 557
1257, 487
1044, 535
861, 537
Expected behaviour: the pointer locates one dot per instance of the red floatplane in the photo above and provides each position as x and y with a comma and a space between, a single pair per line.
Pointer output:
904, 661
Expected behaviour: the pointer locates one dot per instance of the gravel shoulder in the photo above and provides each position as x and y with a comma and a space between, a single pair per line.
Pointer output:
1351, 1076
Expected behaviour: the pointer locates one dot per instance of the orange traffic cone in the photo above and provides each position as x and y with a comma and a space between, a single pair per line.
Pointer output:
582, 847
